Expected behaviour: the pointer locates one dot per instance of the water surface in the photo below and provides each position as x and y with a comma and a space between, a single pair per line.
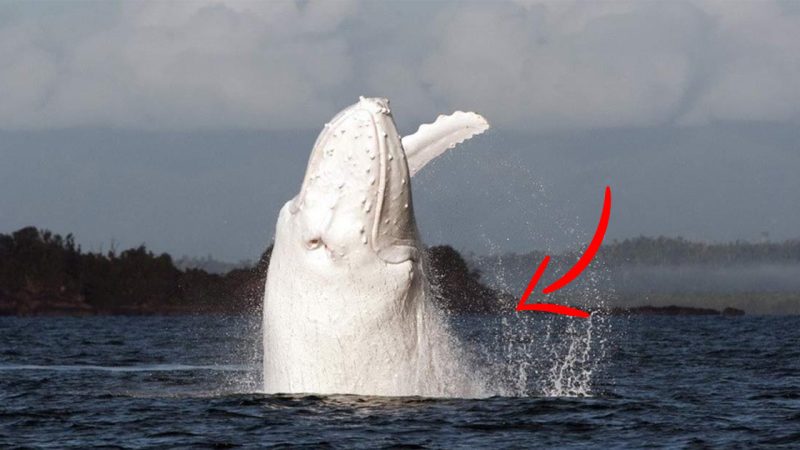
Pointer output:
137, 382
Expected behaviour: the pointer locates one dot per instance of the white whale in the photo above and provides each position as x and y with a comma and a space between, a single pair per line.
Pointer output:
346, 306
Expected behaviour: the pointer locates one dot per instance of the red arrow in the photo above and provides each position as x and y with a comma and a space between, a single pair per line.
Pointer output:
580, 266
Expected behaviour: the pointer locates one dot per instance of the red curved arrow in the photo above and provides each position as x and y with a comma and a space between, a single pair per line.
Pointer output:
591, 251
555, 309
573, 273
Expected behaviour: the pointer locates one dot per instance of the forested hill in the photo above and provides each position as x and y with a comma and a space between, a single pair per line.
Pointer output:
45, 273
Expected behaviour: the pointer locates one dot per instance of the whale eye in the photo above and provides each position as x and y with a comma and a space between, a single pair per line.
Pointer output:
313, 244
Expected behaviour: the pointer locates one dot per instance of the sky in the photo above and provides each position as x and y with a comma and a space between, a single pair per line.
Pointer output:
186, 125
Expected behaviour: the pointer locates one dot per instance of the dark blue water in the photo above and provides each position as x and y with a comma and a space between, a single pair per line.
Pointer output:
136, 382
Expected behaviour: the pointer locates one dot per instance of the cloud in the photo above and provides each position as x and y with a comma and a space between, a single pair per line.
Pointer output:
564, 65
174, 65
527, 65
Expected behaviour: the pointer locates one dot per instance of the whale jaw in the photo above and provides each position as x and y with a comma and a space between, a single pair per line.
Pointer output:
356, 194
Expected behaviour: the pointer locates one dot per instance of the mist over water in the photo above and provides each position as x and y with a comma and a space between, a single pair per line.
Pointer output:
705, 278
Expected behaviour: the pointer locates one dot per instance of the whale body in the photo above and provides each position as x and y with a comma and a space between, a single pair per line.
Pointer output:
347, 307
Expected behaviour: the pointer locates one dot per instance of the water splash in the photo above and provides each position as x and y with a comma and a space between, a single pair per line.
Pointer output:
537, 354
550, 356
528, 353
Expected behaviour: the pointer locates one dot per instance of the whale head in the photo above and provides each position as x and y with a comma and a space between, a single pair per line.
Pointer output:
355, 200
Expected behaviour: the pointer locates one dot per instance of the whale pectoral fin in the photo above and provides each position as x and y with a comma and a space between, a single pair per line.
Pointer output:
433, 139
398, 253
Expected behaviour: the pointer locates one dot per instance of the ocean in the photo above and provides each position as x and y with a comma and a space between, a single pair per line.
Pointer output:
193, 382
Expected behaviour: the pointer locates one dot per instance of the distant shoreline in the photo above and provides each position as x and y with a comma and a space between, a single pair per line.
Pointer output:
45, 274
674, 310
